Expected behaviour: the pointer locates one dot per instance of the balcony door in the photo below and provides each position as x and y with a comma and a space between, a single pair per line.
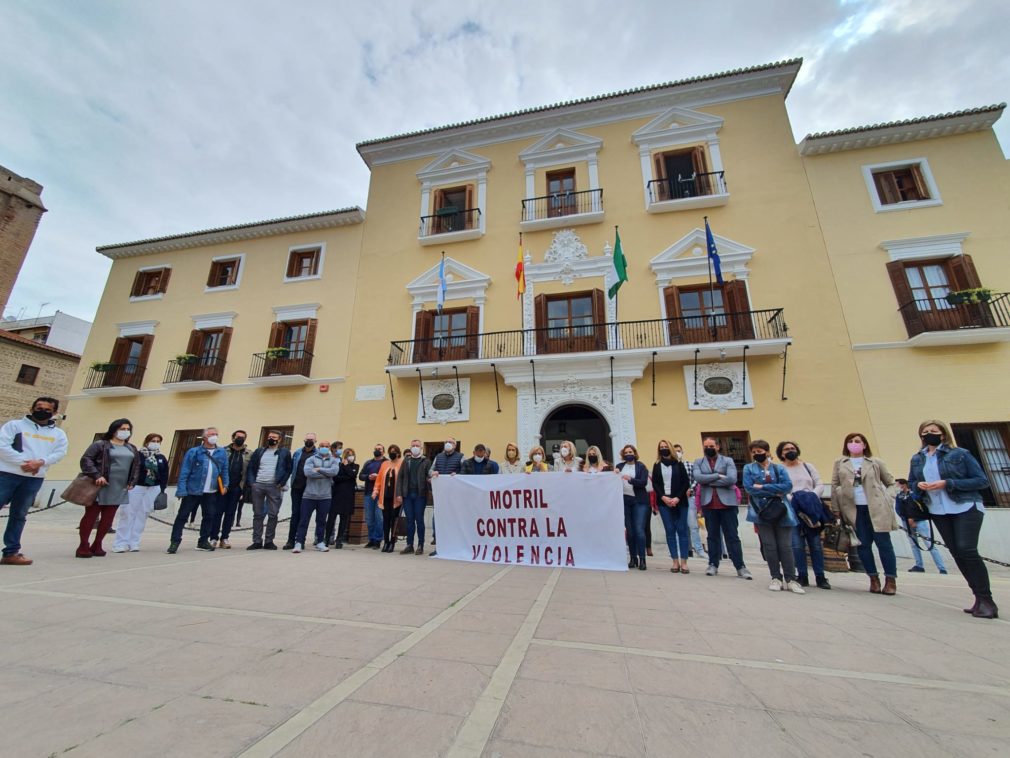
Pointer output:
700, 314
298, 338
452, 335
679, 172
921, 288
451, 206
129, 361
561, 199
574, 323
210, 346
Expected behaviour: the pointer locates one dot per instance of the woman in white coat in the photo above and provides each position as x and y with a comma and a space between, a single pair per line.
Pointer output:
153, 481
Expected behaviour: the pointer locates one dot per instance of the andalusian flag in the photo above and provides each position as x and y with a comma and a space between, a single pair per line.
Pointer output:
520, 271
619, 273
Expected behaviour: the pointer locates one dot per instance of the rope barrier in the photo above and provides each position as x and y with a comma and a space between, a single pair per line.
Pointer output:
936, 541
48, 507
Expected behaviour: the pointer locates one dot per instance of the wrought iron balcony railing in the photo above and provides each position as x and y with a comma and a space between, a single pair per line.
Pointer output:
202, 369
614, 336
683, 187
449, 219
940, 316
294, 363
562, 204
114, 375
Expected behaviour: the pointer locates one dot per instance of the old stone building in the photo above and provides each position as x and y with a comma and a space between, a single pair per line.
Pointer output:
28, 370
20, 210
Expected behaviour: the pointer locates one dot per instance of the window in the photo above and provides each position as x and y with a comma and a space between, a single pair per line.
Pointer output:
560, 188
900, 185
708, 314
27, 374
128, 361
304, 263
184, 440
150, 282
921, 288
210, 346
452, 334
41, 336
224, 272
571, 323
681, 174
453, 210
990, 444
295, 340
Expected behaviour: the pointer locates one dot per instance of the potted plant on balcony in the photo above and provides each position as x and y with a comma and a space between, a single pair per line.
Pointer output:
101, 366
186, 359
970, 296
273, 353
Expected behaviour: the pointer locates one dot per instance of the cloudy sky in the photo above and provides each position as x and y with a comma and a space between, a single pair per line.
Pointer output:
151, 118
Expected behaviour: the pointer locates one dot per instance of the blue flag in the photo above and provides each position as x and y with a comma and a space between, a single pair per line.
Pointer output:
441, 285
713, 254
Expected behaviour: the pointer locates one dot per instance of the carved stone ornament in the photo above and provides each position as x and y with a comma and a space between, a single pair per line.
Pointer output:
720, 387
437, 407
566, 248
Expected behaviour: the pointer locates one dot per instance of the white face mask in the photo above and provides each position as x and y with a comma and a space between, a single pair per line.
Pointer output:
154, 447
123, 434
350, 459
415, 451
537, 458
449, 447
212, 439
564, 452
479, 458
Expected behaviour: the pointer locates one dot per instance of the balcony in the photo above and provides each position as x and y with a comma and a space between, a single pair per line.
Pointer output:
764, 332
562, 209
450, 224
113, 379
200, 375
684, 193
274, 369
936, 322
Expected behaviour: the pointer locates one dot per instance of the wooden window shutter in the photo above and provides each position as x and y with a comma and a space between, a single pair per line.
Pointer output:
292, 264
920, 183
276, 334
424, 331
671, 295
887, 187
120, 351
963, 273
660, 166
222, 352
903, 294
737, 307
540, 312
138, 285
212, 274
439, 199
698, 160
145, 350
472, 331
166, 274
195, 342
470, 215
600, 318
310, 336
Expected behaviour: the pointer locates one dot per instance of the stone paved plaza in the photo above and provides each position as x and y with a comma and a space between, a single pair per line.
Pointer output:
357, 653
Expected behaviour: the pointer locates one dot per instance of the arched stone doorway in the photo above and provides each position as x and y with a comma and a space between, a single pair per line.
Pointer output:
580, 424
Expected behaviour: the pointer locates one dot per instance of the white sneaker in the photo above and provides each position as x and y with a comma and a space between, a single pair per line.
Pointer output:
794, 586
776, 585
297, 548
711, 570
321, 547
120, 550
744, 573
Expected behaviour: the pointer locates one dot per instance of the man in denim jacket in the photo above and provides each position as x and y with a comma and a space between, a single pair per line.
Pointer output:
199, 487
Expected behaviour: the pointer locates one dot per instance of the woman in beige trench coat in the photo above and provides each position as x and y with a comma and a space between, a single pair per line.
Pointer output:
859, 486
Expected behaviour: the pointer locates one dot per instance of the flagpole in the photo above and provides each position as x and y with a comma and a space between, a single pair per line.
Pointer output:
711, 286
522, 295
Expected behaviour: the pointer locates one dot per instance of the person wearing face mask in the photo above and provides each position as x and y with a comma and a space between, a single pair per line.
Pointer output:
28, 447
716, 476
670, 479
859, 487
567, 460
203, 479
769, 510
320, 469
449, 461
636, 503
952, 481
594, 462
537, 464
298, 484
411, 495
152, 481
810, 513
512, 464
373, 513
114, 465
266, 477
480, 463
238, 461
343, 497
692, 509
385, 495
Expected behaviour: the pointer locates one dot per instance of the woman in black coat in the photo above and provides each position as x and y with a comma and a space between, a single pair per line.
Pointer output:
343, 501
670, 481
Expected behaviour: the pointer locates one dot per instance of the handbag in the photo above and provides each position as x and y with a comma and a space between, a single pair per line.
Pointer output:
773, 510
840, 537
82, 491
161, 501
913, 508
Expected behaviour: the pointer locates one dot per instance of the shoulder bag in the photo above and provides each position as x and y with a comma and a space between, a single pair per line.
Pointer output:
81, 491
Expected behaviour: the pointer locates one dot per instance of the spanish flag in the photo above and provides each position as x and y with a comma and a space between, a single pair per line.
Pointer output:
520, 271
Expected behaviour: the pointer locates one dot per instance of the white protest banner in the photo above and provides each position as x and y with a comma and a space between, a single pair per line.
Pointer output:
554, 519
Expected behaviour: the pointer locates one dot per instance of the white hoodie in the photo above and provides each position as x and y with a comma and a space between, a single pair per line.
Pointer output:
45, 441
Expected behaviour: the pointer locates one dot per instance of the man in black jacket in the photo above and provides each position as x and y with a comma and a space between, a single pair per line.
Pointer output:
238, 461
267, 478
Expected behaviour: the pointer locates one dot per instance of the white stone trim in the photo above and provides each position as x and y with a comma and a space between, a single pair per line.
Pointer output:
297, 248
925, 248
214, 320
462, 282
672, 263
734, 400
447, 386
450, 168
159, 267
156, 295
238, 276
285, 313
927, 177
143, 298
136, 328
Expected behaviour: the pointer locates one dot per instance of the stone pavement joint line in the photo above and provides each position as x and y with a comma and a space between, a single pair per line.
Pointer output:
475, 732
796, 668
211, 609
285, 733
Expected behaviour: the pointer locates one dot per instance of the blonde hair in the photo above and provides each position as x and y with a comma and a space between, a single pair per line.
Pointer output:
668, 445
571, 450
948, 438
601, 462
513, 446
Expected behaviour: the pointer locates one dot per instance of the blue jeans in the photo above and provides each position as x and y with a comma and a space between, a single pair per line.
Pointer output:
373, 519
692, 525
922, 529
806, 538
635, 515
20, 492
413, 511
320, 508
868, 538
296, 513
678, 536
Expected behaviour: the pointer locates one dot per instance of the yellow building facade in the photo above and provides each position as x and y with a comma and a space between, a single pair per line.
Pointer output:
340, 324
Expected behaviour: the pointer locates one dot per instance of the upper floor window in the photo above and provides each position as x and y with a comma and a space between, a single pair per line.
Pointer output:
150, 282
901, 184
453, 197
224, 272
305, 263
684, 173
926, 293
27, 374
560, 193
453, 210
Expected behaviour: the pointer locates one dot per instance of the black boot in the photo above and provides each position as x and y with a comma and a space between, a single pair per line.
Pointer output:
974, 606
986, 609
633, 563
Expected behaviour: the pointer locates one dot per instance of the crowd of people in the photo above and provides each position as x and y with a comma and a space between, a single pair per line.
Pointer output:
784, 499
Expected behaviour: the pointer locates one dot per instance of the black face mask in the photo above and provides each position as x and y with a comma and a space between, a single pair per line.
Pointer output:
239, 441
271, 442
711, 452
791, 455
310, 444
593, 458
760, 457
664, 453
41, 416
393, 456
377, 453
932, 439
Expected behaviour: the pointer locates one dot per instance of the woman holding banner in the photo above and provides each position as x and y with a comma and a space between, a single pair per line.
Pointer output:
567, 460
669, 477
594, 462
636, 503
536, 464
511, 464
